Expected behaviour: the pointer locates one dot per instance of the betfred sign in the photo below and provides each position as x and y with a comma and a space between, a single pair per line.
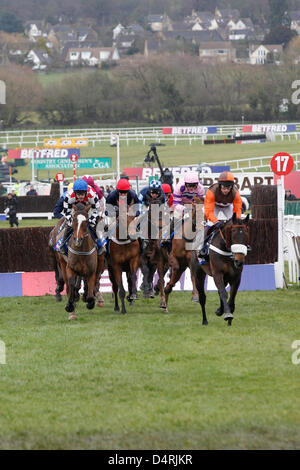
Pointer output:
282, 164
263, 128
41, 153
243, 180
195, 130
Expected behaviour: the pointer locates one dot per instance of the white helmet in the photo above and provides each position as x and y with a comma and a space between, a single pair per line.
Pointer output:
191, 177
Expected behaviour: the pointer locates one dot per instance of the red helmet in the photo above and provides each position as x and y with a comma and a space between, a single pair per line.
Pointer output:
123, 185
166, 188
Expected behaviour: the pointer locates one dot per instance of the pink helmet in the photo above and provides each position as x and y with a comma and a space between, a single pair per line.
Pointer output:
191, 177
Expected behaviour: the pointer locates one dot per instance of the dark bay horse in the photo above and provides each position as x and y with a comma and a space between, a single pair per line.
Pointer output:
155, 257
124, 256
227, 253
182, 248
82, 261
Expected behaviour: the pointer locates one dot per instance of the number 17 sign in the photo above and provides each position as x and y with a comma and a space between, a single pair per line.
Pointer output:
282, 163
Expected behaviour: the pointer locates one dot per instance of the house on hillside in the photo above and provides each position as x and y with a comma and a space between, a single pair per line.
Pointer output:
227, 14
159, 22
217, 51
39, 58
295, 21
91, 56
242, 24
195, 37
265, 53
205, 19
36, 29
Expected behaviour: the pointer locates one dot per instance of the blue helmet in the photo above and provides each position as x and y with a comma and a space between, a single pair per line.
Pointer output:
155, 184
80, 185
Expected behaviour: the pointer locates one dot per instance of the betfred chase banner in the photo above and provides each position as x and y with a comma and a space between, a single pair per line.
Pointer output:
263, 128
42, 153
177, 171
194, 130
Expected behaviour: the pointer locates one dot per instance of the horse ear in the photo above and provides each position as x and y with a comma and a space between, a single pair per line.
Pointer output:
246, 220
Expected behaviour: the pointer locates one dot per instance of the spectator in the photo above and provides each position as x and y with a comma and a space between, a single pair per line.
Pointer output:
289, 196
11, 210
111, 188
107, 190
2, 189
31, 192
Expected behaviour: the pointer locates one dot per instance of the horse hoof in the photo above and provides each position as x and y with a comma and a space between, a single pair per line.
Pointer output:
228, 316
229, 322
100, 304
58, 298
72, 316
219, 312
117, 309
204, 322
166, 310
195, 298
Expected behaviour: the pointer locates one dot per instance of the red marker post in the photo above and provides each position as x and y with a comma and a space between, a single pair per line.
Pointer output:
281, 164
59, 176
74, 158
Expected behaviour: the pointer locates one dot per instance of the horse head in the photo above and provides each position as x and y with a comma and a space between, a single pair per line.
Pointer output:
80, 223
237, 239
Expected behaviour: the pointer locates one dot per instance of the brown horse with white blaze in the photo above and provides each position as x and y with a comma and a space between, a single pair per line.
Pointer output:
82, 260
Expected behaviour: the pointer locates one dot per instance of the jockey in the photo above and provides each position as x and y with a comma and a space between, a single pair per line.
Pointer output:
90, 181
221, 201
152, 194
168, 195
186, 192
81, 193
121, 193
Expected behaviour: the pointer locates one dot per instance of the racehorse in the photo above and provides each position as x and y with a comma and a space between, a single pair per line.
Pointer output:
180, 255
154, 257
124, 256
227, 252
82, 261
54, 236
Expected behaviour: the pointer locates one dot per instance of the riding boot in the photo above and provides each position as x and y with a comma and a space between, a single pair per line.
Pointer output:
140, 240
100, 241
66, 235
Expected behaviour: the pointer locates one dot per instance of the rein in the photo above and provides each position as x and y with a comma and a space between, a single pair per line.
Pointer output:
82, 253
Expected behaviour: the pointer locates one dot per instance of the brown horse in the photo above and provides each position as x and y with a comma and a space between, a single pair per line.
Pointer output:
181, 252
82, 261
227, 253
124, 256
154, 256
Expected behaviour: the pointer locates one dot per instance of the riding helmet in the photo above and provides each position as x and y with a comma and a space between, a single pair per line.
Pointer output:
80, 185
191, 177
155, 184
226, 178
123, 185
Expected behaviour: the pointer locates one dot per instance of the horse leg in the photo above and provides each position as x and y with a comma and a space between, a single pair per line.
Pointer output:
161, 284
145, 270
195, 297
100, 269
77, 288
220, 310
70, 307
60, 283
115, 289
199, 283
219, 281
234, 285
129, 282
121, 290
85, 290
90, 297
133, 270
177, 271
